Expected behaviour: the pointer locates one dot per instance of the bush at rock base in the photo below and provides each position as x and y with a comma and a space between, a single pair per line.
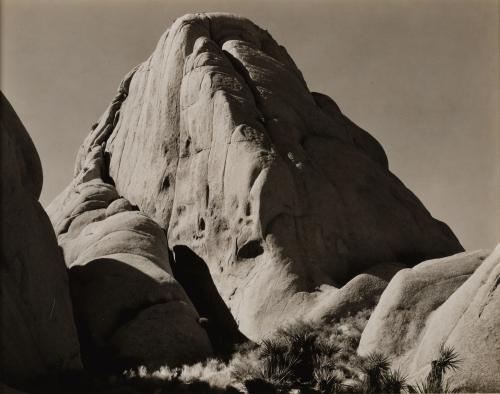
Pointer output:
301, 358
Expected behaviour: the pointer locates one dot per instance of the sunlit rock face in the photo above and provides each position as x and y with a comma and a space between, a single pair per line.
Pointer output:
129, 309
217, 138
452, 301
38, 338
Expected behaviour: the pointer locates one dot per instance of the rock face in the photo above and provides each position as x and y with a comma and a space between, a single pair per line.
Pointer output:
129, 309
360, 293
38, 339
217, 138
452, 301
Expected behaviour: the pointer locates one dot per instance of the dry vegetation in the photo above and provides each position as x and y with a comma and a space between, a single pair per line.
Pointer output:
301, 358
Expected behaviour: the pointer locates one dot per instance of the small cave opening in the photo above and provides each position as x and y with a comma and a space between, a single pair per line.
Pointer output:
201, 224
166, 183
250, 250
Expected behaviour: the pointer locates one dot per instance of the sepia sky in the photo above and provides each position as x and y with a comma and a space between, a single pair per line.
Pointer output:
421, 76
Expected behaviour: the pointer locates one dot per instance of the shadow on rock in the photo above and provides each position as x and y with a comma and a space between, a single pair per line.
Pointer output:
128, 316
193, 274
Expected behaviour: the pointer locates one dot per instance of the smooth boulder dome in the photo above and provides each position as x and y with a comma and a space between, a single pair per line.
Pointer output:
452, 301
217, 138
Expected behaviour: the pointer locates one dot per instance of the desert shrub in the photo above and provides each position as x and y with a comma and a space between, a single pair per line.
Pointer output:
435, 382
328, 380
375, 367
299, 358
394, 382
320, 357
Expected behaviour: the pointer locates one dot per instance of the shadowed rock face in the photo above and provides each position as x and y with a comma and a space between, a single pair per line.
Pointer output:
38, 339
194, 276
217, 138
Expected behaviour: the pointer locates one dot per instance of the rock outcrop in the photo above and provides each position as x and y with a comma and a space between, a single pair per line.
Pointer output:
217, 138
361, 293
38, 338
452, 301
129, 309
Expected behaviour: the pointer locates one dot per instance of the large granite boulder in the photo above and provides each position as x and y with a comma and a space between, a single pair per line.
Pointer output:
38, 339
359, 294
452, 301
129, 309
217, 138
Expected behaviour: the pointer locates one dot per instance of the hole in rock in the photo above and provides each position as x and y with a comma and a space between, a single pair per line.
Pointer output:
248, 208
166, 183
250, 250
201, 225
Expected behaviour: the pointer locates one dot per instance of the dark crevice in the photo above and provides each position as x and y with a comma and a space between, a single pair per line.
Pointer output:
105, 175
250, 250
166, 183
248, 208
191, 271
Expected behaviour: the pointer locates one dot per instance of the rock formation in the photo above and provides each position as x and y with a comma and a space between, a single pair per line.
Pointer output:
452, 301
129, 309
38, 339
217, 138
218, 194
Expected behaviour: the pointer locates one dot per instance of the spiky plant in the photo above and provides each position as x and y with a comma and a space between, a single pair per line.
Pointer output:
375, 366
448, 360
393, 381
271, 347
302, 346
328, 380
277, 365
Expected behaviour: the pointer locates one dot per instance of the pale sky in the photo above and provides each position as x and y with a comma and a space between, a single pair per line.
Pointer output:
421, 76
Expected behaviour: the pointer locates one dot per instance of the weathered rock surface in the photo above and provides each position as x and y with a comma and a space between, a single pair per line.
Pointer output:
129, 309
38, 339
453, 301
217, 138
361, 293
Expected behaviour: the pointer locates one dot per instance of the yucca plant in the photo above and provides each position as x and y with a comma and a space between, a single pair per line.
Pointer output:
328, 380
302, 345
447, 360
393, 381
277, 363
375, 366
